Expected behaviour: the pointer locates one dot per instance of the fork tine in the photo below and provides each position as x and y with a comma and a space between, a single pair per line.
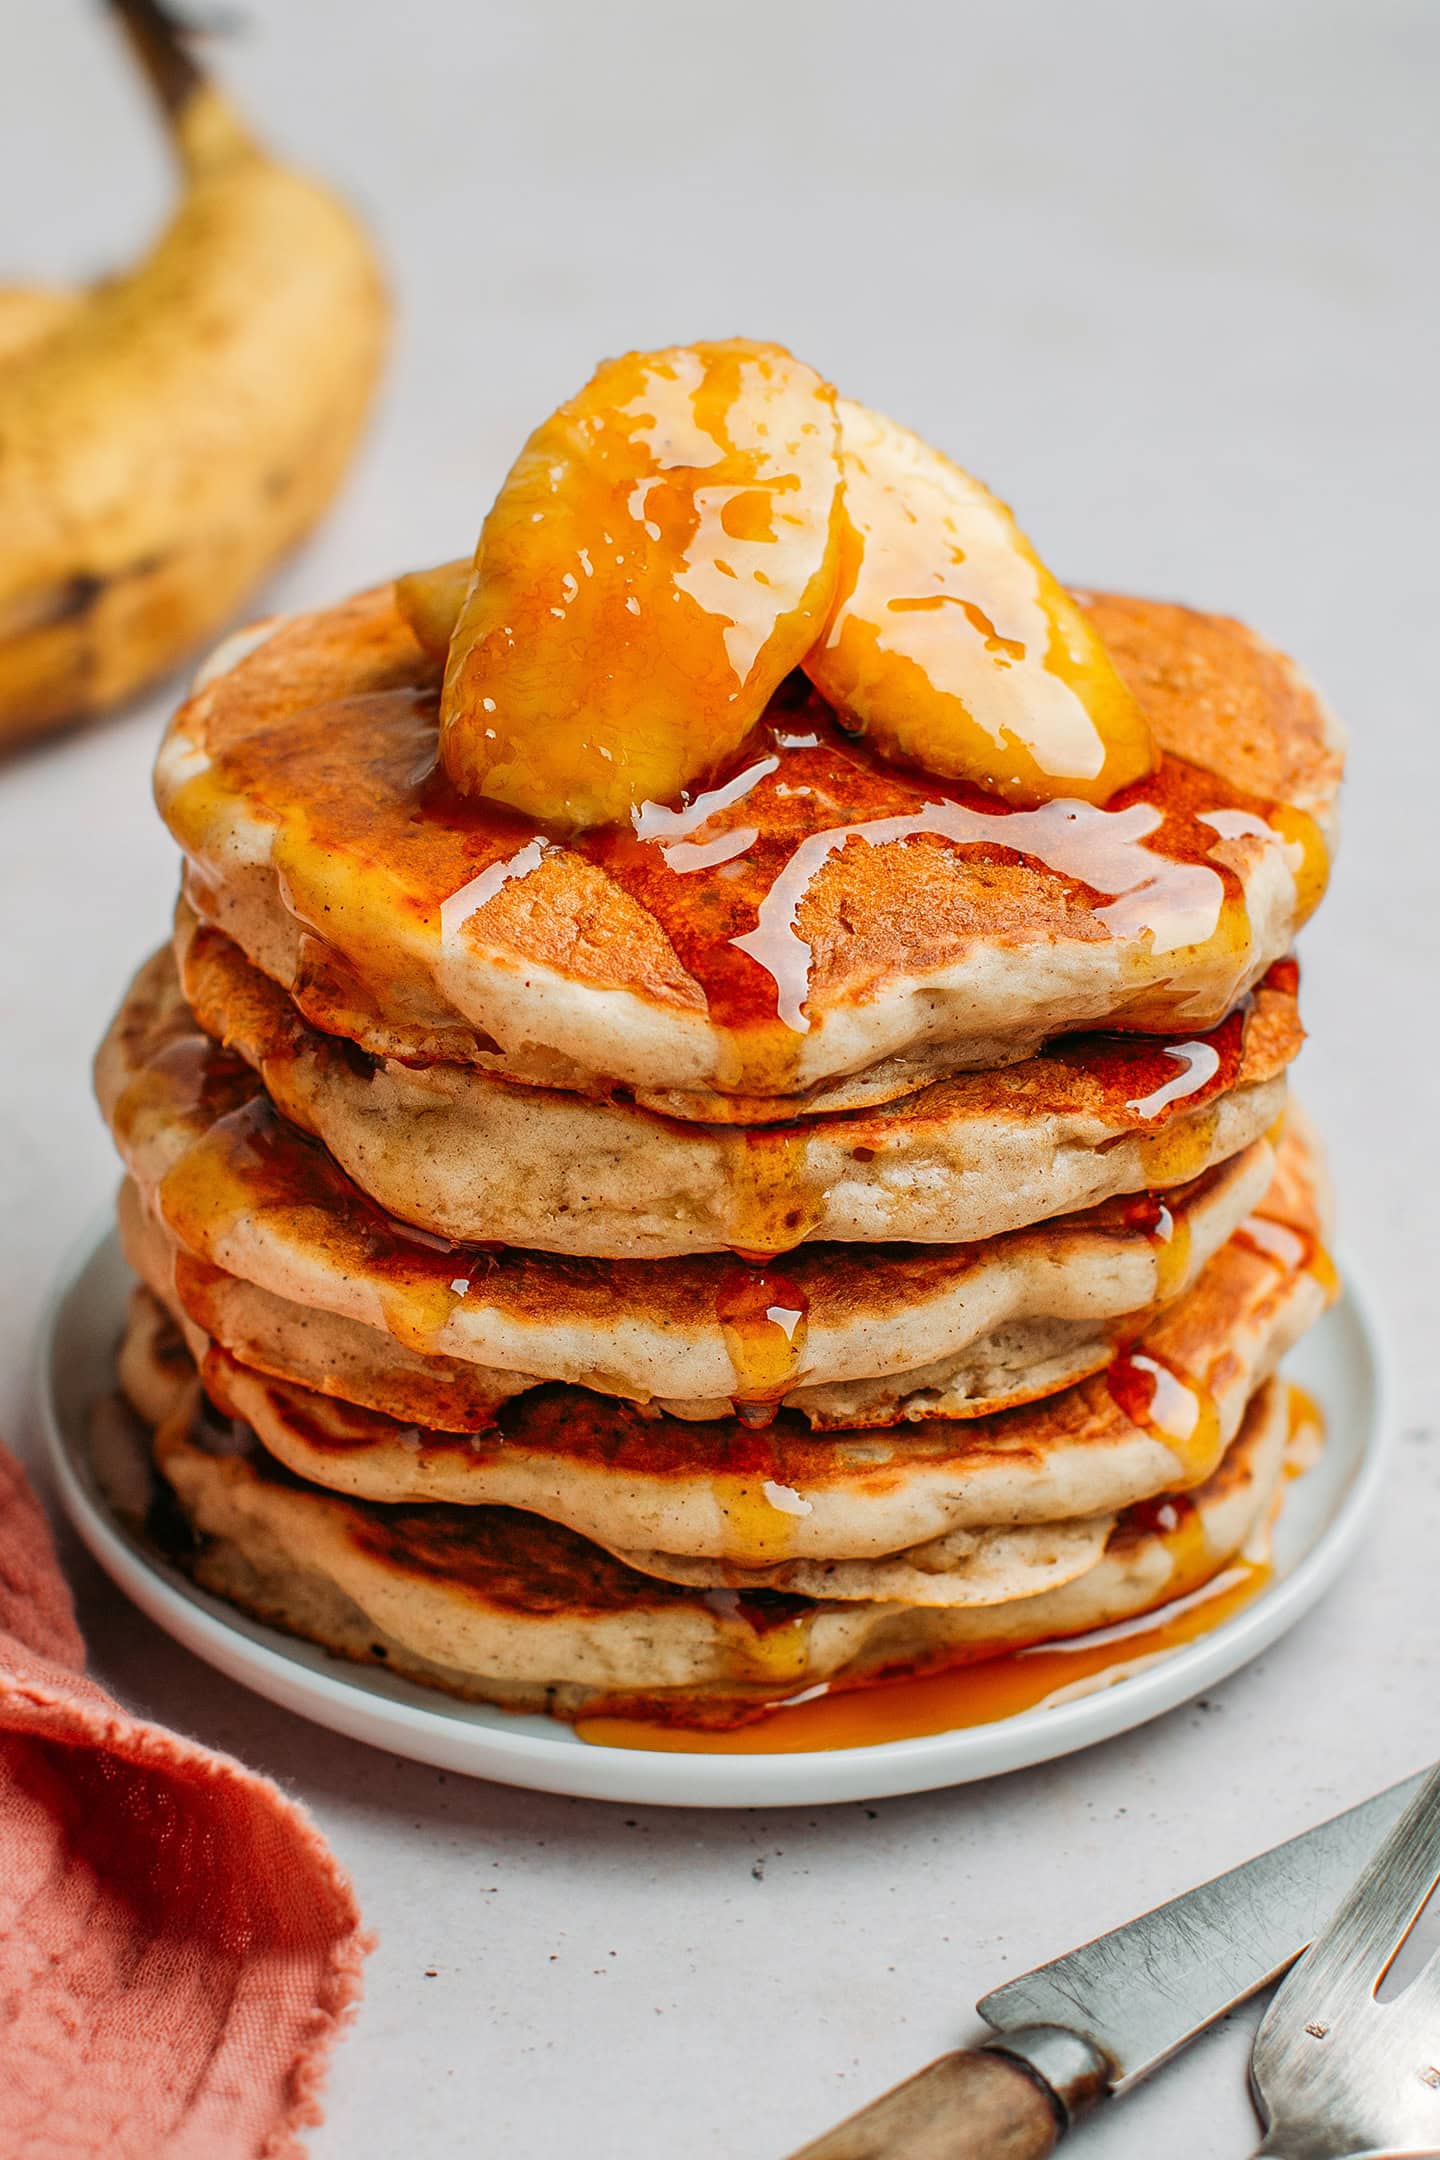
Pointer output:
1378, 1913
1422, 1991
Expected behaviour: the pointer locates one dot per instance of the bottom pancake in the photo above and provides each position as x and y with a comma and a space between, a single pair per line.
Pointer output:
492, 1605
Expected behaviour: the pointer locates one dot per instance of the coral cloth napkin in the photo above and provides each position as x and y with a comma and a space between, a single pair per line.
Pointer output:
178, 1946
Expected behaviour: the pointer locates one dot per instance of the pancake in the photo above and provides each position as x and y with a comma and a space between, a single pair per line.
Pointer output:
955, 1330
815, 914
674, 1333
969, 1567
494, 1606
1157, 1420
1012, 1363
969, 1158
470, 1157
303, 1343
239, 1189
1015, 1362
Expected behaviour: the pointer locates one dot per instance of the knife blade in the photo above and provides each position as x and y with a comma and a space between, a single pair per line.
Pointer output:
1142, 1991
1089, 2025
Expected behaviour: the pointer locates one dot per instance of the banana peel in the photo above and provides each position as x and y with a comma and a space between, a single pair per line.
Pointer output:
167, 435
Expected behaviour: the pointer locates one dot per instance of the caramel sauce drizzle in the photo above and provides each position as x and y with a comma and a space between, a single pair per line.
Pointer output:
1180, 1151
1291, 1248
759, 1518
764, 1317
775, 1644
1179, 1411
1180, 1148
1306, 853
246, 1161
1176, 1520
1176, 904
1198, 1061
1305, 1430
1171, 1242
775, 1201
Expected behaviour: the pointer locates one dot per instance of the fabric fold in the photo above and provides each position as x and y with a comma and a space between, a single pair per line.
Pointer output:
178, 1945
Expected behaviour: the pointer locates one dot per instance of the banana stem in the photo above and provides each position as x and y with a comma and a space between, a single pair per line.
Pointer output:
206, 130
157, 38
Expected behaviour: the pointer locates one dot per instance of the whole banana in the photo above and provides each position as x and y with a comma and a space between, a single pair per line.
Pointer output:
167, 434
30, 312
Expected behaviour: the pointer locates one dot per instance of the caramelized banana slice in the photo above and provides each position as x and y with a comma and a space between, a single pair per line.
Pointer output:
431, 600
952, 645
661, 555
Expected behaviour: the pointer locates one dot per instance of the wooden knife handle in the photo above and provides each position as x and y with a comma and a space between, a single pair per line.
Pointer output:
967, 2106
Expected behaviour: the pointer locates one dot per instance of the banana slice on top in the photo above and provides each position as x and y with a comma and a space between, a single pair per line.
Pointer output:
950, 644
662, 554
431, 600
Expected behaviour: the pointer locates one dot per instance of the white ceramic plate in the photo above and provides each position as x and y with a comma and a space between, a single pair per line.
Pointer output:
1340, 1363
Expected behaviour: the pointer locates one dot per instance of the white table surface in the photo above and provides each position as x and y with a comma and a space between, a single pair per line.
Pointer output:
1164, 276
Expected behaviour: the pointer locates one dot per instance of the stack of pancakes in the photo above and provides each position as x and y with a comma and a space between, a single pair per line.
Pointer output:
839, 1227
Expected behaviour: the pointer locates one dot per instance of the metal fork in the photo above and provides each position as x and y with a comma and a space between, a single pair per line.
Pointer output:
1338, 2074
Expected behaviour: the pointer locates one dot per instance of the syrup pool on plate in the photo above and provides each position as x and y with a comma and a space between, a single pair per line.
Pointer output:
966, 1695
1038, 1677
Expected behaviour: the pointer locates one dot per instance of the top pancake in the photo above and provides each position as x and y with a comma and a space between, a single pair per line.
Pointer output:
819, 926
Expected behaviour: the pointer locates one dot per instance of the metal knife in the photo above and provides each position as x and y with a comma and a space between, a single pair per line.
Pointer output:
1088, 2026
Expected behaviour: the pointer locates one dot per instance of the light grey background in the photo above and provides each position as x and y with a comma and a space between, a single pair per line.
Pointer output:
1165, 276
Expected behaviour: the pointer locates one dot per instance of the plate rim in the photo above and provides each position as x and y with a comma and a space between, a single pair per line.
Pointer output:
263, 1659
